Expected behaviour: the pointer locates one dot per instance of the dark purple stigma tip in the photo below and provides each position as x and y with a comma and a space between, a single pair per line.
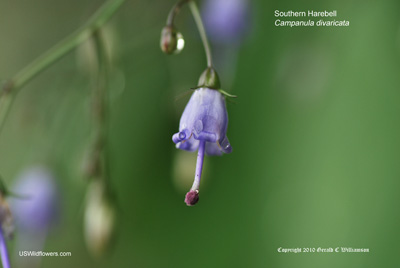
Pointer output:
192, 198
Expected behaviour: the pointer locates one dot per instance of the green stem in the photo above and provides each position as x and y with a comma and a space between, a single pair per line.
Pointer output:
202, 31
199, 23
55, 53
100, 108
174, 11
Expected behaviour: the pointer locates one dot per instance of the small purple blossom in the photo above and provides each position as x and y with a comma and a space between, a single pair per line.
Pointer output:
35, 209
226, 20
204, 119
38, 207
6, 230
203, 127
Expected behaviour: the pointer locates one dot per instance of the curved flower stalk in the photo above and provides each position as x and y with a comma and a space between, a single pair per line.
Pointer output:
204, 122
100, 213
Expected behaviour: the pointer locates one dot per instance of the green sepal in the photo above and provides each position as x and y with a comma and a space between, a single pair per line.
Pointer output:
209, 79
223, 92
226, 94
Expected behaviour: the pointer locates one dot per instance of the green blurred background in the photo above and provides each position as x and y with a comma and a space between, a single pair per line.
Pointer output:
315, 133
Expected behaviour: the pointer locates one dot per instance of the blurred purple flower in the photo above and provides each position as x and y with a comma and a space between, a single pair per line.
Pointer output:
203, 127
226, 21
38, 207
5, 260
6, 230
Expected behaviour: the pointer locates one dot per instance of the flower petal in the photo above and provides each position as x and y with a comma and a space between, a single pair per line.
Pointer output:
181, 136
219, 148
205, 136
205, 114
190, 145
213, 149
204, 119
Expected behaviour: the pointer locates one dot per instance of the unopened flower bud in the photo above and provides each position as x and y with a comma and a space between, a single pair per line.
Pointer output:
100, 217
171, 40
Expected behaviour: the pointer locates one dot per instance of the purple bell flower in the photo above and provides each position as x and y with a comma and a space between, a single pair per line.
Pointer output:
203, 127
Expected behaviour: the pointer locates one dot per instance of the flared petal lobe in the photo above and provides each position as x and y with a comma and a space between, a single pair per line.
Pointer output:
204, 118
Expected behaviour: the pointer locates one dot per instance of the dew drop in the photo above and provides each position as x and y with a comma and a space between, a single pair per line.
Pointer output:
226, 146
180, 44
